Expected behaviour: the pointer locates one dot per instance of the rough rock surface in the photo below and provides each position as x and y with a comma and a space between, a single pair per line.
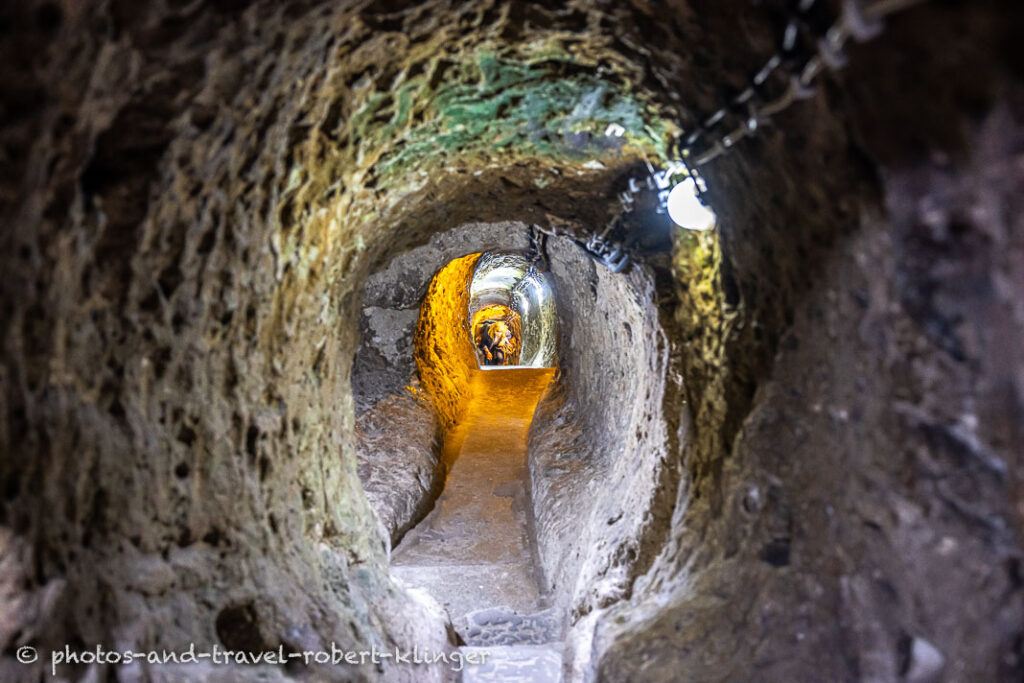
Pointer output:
853, 508
599, 445
193, 195
443, 347
399, 461
502, 626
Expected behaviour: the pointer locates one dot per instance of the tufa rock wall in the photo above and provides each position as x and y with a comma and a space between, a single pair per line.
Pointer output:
193, 196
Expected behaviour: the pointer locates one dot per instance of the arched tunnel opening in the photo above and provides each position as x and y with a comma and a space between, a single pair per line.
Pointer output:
576, 317
513, 317
475, 551
500, 340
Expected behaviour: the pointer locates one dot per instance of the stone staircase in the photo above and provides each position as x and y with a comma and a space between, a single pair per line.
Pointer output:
525, 648
473, 552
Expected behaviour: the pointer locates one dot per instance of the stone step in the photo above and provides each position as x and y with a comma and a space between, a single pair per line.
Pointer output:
515, 664
467, 588
503, 626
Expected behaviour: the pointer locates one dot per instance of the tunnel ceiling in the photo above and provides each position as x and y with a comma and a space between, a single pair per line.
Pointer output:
524, 93
193, 196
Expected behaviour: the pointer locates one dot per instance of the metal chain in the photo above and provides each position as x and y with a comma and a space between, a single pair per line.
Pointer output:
856, 20
537, 251
800, 65
602, 249
609, 252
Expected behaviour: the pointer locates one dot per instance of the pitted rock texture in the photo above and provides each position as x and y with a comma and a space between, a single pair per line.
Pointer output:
180, 305
599, 446
858, 481
399, 461
193, 195
503, 626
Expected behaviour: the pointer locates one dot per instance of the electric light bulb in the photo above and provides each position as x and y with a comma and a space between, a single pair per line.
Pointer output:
687, 210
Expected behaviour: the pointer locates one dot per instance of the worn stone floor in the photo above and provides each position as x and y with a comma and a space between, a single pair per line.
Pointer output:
474, 552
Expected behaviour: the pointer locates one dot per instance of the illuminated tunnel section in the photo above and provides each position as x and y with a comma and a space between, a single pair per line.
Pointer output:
480, 311
475, 550
513, 313
498, 335
559, 454
443, 345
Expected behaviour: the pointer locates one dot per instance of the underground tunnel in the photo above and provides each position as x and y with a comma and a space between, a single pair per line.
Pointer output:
493, 340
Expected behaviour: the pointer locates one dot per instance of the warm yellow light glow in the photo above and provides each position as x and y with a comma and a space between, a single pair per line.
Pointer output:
499, 408
446, 332
687, 210
498, 327
444, 349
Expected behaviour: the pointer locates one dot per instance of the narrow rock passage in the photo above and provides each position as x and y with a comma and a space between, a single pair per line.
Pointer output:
475, 552
474, 549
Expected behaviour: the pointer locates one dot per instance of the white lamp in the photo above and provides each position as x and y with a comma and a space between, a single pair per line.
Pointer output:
687, 210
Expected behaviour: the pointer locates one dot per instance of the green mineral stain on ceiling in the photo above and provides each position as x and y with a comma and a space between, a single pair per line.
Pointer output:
487, 105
